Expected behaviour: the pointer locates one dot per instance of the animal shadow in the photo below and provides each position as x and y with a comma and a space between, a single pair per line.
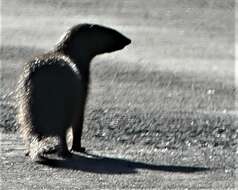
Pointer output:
106, 165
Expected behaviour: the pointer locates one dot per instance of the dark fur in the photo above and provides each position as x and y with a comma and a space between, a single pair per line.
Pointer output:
53, 89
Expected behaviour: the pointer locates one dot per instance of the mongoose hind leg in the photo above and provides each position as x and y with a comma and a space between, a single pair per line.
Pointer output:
77, 134
77, 125
63, 150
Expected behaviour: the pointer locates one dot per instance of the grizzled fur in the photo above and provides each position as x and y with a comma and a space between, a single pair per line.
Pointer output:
53, 89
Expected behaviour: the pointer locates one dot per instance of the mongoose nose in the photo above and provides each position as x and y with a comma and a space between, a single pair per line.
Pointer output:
127, 41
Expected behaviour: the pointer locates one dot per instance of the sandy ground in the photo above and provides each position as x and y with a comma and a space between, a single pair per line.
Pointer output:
120, 167
161, 113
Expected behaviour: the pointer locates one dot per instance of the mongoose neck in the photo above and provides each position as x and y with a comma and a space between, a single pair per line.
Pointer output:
83, 65
82, 61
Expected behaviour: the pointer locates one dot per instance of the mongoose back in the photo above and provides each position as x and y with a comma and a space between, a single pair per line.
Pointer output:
53, 89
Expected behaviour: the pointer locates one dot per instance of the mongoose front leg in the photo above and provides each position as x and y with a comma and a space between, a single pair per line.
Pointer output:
77, 134
77, 125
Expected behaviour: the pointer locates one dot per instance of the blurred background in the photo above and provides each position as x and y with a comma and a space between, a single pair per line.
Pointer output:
176, 43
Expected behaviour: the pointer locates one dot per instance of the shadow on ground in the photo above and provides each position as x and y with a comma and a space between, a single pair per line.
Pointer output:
106, 165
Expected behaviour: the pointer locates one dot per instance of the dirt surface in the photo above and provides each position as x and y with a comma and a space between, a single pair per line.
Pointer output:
161, 113
119, 167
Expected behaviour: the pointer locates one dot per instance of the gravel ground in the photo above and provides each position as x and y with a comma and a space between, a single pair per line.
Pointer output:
131, 150
119, 166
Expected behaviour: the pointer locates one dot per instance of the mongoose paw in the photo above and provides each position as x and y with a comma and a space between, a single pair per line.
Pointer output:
65, 154
51, 150
79, 149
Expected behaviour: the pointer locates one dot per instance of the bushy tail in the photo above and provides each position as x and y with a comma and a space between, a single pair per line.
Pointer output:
36, 148
33, 142
39, 148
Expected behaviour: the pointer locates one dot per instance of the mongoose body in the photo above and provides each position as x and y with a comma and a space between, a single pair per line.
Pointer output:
53, 89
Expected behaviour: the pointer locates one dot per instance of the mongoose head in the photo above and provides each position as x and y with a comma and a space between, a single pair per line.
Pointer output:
91, 40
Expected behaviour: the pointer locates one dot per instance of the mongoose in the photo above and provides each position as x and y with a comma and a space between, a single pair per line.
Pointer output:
53, 89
